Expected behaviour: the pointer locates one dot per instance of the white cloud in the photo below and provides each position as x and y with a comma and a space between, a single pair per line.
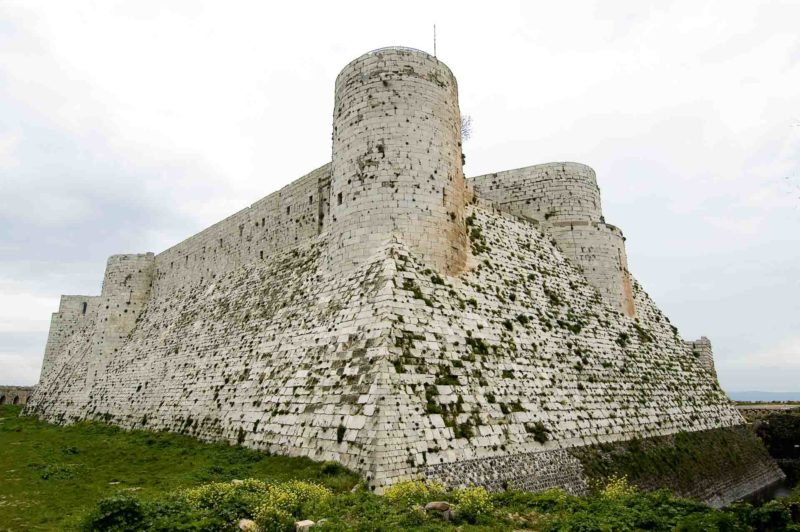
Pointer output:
128, 126
24, 311
8, 152
784, 356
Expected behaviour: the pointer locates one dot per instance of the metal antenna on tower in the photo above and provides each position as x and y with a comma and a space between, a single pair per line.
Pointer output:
434, 40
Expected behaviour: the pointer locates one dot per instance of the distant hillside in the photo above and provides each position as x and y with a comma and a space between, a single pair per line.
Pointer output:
764, 396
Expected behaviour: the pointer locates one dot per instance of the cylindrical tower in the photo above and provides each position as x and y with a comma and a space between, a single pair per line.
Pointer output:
397, 163
565, 199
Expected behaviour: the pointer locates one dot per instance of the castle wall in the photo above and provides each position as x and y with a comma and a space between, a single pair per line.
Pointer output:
701, 349
283, 219
552, 192
564, 199
126, 290
599, 250
397, 162
73, 312
15, 395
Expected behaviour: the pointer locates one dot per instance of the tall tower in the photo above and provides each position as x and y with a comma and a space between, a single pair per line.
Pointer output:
397, 162
564, 198
126, 290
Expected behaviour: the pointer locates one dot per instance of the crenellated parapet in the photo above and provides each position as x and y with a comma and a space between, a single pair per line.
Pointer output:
564, 199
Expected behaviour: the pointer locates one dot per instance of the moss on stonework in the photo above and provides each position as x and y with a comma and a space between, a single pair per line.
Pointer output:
687, 463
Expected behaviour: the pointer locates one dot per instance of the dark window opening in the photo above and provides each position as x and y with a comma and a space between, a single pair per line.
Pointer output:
261, 254
310, 200
84, 307
288, 209
339, 198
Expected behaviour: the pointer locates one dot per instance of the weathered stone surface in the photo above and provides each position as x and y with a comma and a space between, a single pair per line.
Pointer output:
304, 525
371, 330
437, 506
248, 525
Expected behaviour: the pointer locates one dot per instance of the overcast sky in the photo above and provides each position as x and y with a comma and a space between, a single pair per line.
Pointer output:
127, 126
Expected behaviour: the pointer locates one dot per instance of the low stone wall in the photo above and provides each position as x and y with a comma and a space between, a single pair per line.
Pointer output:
15, 395
717, 466
738, 467
756, 412
525, 471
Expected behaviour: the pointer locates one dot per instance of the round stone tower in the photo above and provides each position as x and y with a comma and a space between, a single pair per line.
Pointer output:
397, 163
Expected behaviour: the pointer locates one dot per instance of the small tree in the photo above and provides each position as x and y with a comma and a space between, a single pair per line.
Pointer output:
466, 127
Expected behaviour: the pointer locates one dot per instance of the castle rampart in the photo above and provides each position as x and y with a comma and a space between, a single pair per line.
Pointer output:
126, 290
397, 161
564, 198
285, 218
701, 349
73, 311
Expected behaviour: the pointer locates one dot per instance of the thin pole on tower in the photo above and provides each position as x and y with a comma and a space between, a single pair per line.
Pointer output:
434, 40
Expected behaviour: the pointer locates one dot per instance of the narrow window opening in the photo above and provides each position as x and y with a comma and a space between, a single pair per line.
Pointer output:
263, 222
261, 254
310, 200
84, 308
339, 198
288, 209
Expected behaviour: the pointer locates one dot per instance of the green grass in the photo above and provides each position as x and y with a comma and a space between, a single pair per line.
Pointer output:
92, 476
684, 462
51, 475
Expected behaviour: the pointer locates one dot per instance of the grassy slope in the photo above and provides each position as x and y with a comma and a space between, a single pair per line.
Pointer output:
51, 475
689, 464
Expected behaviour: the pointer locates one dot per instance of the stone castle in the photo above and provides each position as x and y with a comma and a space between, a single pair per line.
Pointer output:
388, 313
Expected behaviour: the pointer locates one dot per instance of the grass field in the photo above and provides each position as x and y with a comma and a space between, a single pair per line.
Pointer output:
91, 476
52, 475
